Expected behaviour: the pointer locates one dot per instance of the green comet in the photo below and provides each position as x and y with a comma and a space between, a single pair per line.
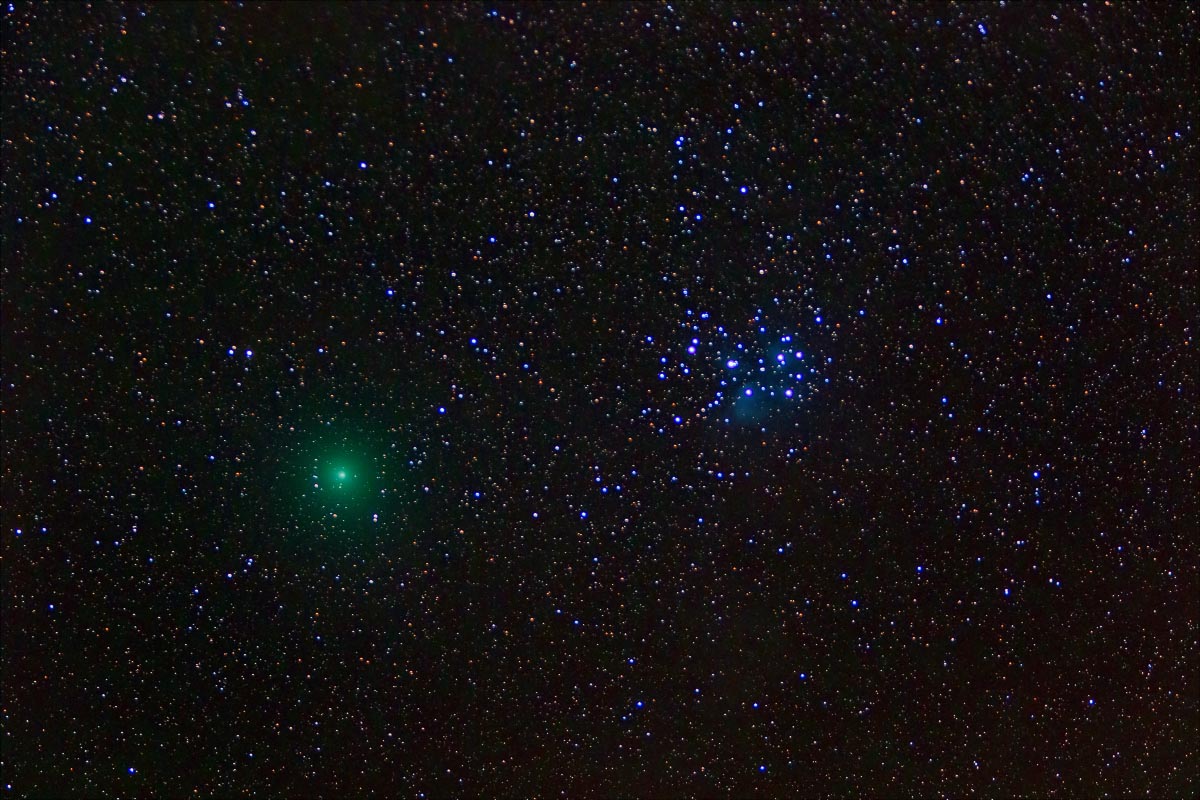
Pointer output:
340, 487
342, 477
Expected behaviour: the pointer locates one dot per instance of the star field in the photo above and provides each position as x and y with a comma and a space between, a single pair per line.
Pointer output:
600, 400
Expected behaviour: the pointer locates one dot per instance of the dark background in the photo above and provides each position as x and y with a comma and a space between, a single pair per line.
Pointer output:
961, 559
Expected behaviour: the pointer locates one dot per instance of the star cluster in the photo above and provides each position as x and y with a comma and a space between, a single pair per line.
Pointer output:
600, 400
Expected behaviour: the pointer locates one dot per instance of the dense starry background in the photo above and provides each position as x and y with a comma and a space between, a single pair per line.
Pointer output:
732, 400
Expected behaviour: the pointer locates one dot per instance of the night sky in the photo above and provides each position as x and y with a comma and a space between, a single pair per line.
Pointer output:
600, 400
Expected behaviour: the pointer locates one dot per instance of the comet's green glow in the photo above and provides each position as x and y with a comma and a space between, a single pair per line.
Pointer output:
339, 476
340, 484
